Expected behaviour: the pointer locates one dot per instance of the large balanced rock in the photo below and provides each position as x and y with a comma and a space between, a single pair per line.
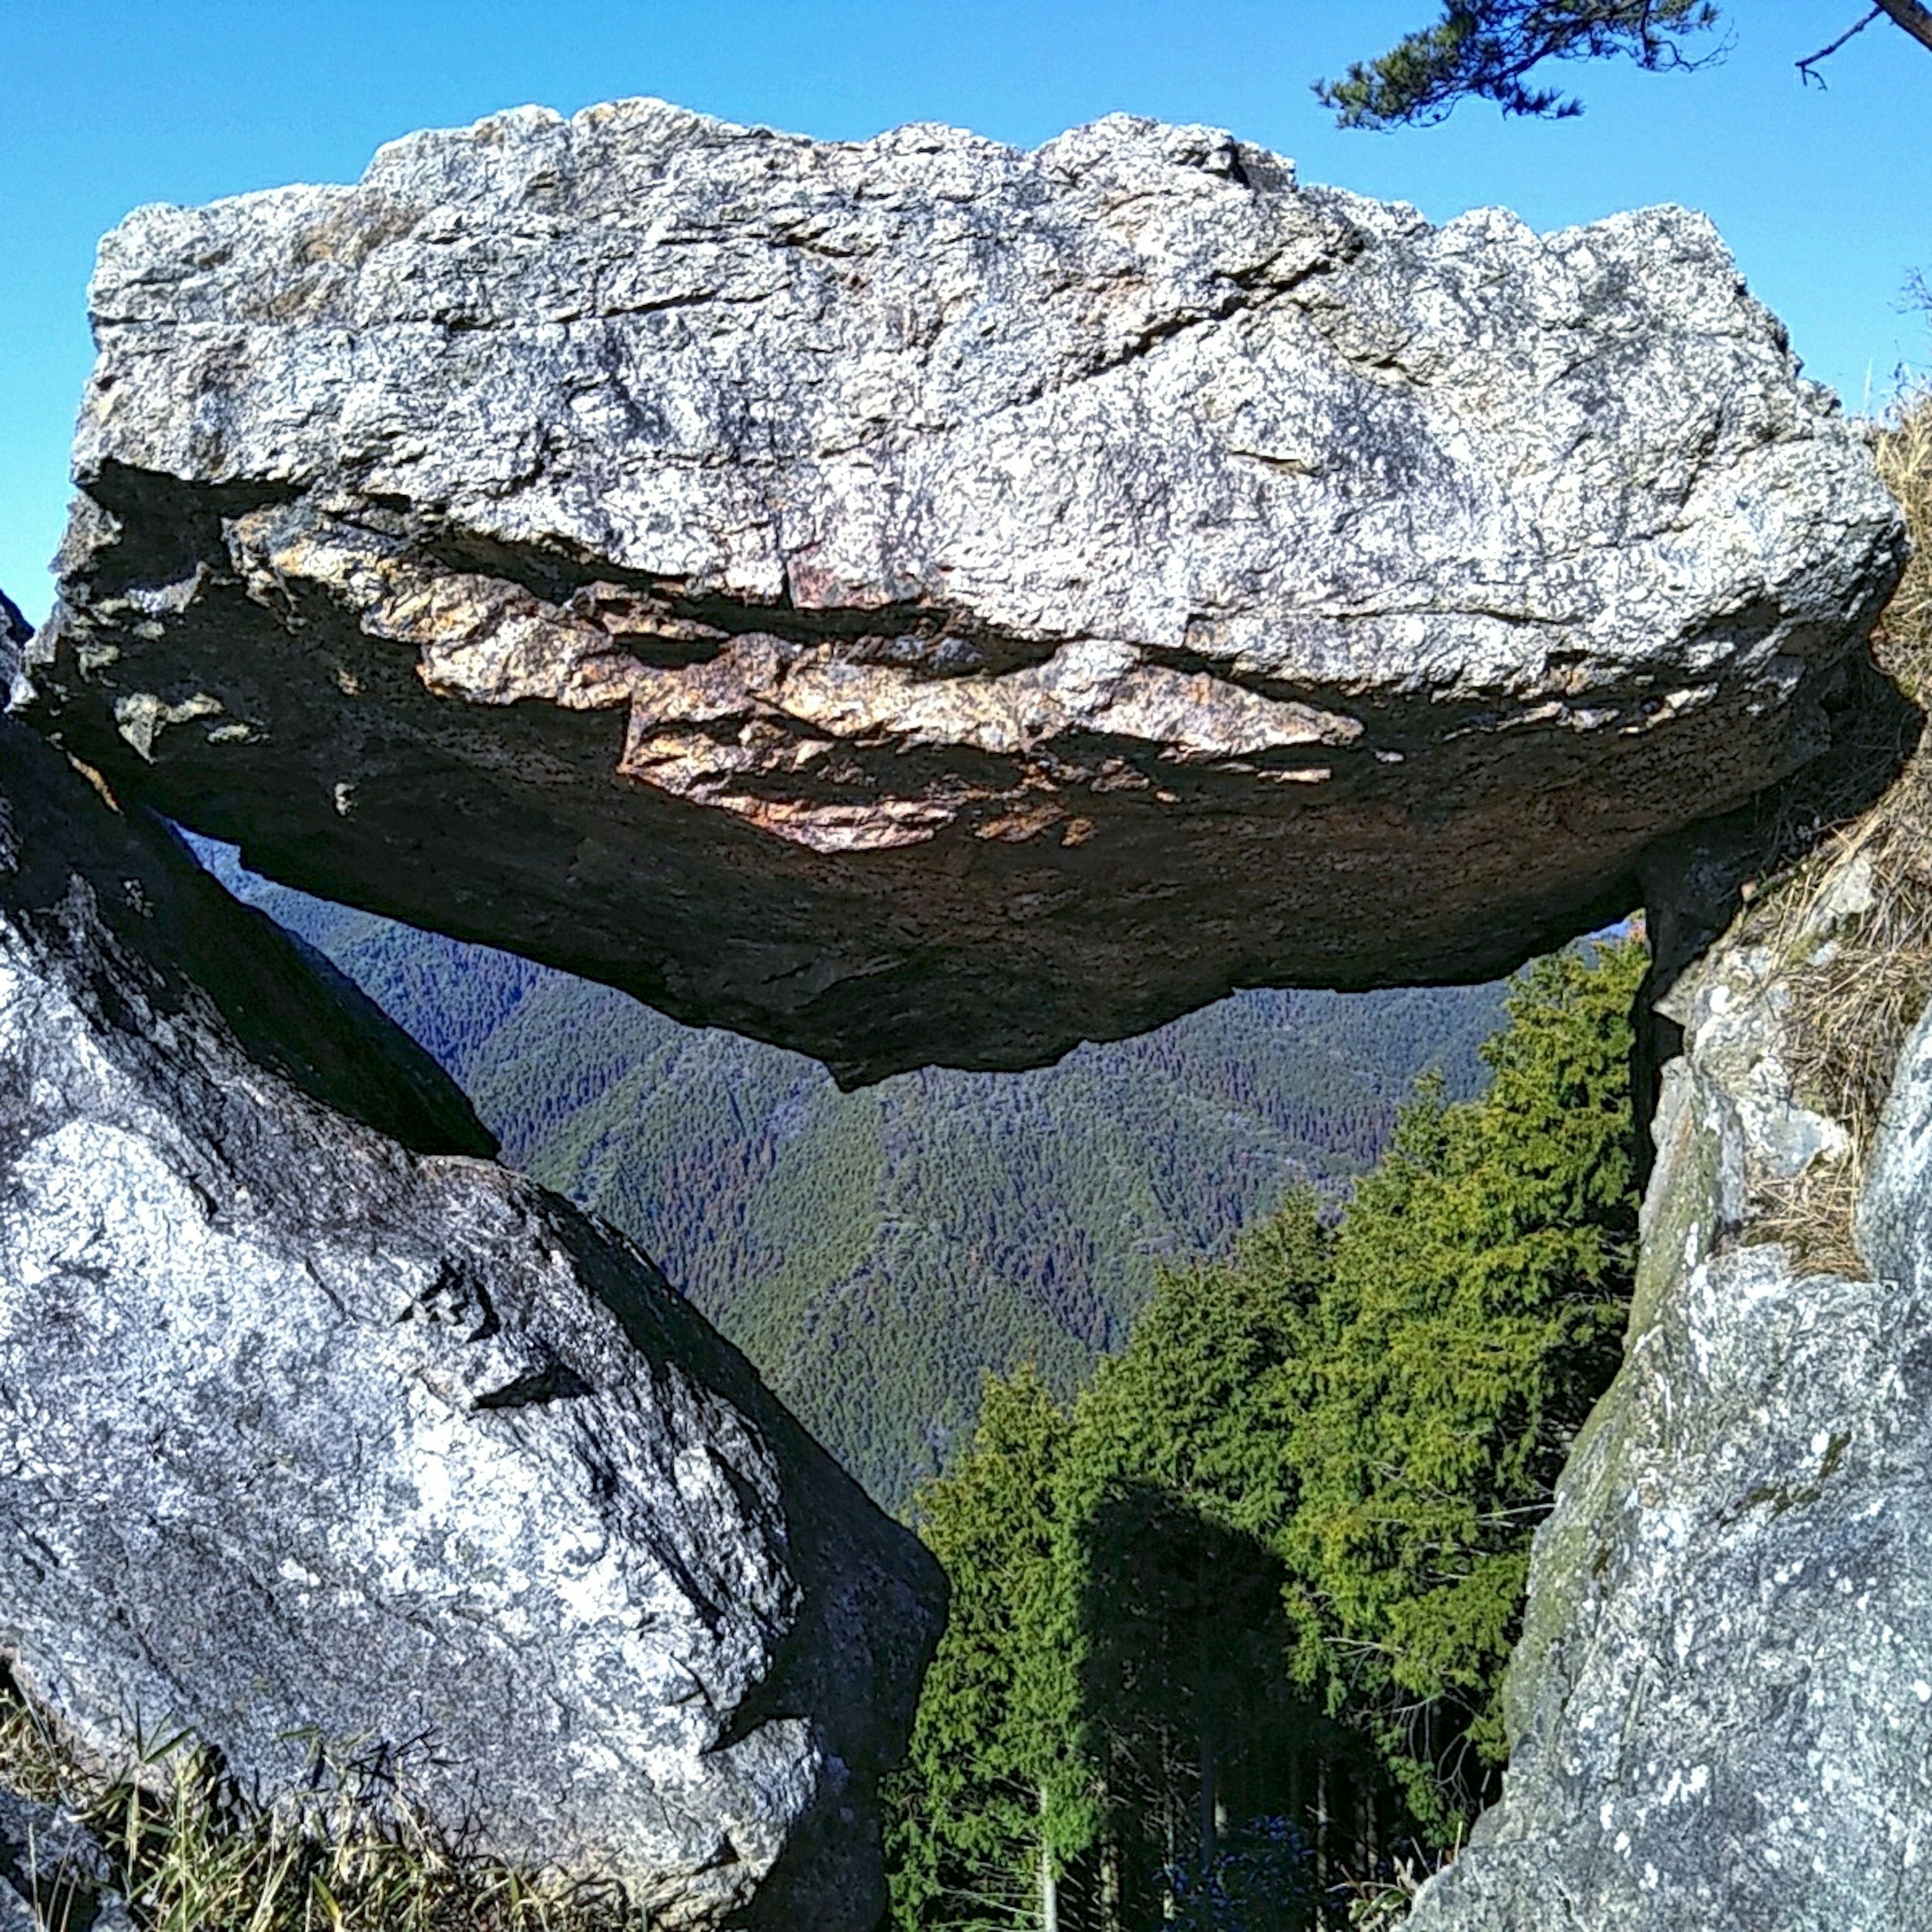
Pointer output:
918, 601
320, 1427
1721, 1705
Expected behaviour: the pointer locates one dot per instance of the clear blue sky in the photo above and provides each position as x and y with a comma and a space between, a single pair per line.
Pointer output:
1826, 197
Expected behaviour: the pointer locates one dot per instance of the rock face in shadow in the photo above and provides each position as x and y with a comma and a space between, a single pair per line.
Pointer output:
1720, 1704
54, 1875
14, 632
315, 1419
918, 601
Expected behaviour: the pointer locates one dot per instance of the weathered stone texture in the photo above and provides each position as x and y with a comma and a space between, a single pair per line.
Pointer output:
54, 1875
14, 632
1721, 1702
916, 600
304, 1426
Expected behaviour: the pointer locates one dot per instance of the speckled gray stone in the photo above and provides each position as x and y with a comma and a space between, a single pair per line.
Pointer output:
305, 1428
54, 1875
917, 601
1722, 1703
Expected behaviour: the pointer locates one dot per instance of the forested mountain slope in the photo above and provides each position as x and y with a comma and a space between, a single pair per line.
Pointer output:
1228, 1632
873, 1252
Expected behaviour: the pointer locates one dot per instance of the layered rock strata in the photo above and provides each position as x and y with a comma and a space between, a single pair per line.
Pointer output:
917, 601
1720, 1704
322, 1429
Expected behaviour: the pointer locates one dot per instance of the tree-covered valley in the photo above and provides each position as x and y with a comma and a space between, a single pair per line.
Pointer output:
1227, 1372
874, 1252
1228, 1631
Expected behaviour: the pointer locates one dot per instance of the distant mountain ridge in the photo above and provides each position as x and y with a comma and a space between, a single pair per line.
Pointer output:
872, 1252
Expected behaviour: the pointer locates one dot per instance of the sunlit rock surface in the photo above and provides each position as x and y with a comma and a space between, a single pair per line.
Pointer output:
916, 600
317, 1426
1721, 1701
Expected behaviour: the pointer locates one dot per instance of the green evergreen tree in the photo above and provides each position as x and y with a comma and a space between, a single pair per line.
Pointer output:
1192, 1404
1268, 1572
996, 1795
1175, 1491
1480, 1286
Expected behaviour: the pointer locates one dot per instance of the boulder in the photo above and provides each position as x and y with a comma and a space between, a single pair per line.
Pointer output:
916, 600
321, 1428
1719, 1706
54, 1876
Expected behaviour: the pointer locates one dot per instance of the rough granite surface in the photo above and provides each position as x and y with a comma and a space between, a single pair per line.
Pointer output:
54, 1875
1722, 1703
917, 601
310, 1431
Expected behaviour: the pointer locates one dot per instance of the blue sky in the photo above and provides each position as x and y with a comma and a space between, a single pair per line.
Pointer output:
1823, 195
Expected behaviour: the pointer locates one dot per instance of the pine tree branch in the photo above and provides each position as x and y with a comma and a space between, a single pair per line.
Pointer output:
1914, 18
1807, 66
1488, 49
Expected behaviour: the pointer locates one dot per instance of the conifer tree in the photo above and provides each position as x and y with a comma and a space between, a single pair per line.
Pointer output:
1175, 1494
1480, 1284
1192, 1405
995, 1795
1282, 1538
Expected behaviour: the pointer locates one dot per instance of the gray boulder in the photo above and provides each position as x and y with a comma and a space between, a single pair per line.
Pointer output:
54, 1875
1721, 1706
319, 1426
916, 600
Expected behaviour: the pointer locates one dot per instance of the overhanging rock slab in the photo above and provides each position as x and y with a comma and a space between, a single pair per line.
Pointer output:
917, 601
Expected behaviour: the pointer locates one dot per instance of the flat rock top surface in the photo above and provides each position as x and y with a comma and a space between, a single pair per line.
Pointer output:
917, 600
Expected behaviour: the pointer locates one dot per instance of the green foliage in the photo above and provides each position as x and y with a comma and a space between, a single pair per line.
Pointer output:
1487, 49
1192, 1406
1258, 1587
996, 1779
873, 1252
1480, 1284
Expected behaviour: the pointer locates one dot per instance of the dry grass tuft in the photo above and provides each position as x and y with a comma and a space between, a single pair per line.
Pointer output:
1813, 1216
1904, 639
1862, 988
349, 1854
1380, 1904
